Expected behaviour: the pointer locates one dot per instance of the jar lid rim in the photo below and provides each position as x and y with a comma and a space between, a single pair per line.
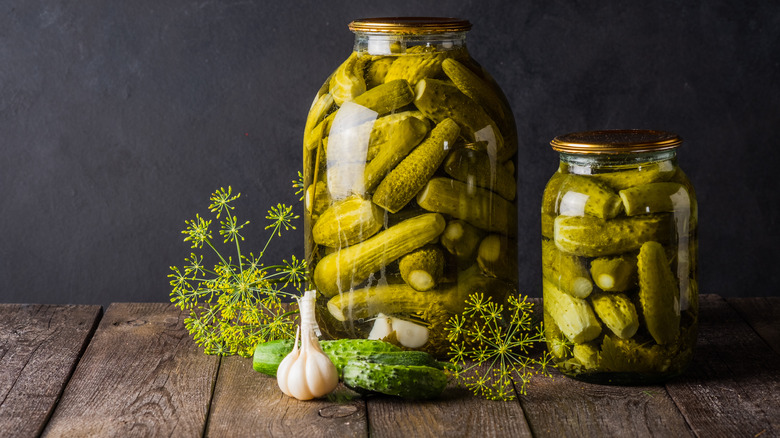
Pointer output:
410, 25
614, 141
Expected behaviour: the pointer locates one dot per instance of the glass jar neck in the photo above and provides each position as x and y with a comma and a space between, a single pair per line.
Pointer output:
381, 43
585, 163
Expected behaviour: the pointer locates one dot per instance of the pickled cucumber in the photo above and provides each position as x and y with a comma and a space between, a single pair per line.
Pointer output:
347, 222
658, 294
386, 97
439, 100
587, 355
402, 183
581, 195
414, 67
573, 316
461, 239
617, 312
393, 152
402, 299
655, 198
318, 111
475, 167
347, 81
629, 356
481, 92
644, 174
565, 271
593, 237
479, 207
548, 225
552, 192
497, 257
376, 72
422, 268
342, 270
614, 274
399, 128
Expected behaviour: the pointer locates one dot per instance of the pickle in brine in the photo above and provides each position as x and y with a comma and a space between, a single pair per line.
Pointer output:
614, 274
655, 198
402, 183
347, 222
497, 257
347, 81
658, 294
439, 100
573, 316
581, 195
386, 97
645, 174
461, 239
479, 207
422, 268
593, 237
565, 271
618, 313
475, 166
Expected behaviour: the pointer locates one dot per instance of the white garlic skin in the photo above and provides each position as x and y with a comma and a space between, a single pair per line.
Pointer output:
307, 373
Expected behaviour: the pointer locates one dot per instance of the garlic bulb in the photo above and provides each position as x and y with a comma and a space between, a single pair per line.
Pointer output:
307, 373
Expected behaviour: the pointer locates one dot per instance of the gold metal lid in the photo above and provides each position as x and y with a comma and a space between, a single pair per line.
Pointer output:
410, 25
615, 141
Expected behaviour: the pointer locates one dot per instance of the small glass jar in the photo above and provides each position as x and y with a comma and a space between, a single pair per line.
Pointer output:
619, 251
409, 179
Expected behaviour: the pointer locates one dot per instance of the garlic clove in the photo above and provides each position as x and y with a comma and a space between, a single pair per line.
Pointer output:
321, 375
283, 371
382, 327
409, 334
297, 381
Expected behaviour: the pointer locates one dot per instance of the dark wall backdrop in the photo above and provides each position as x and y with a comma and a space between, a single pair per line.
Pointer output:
118, 119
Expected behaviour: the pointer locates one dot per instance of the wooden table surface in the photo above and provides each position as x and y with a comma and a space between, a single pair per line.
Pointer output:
68, 370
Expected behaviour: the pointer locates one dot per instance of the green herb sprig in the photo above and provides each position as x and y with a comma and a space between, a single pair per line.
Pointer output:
239, 302
495, 350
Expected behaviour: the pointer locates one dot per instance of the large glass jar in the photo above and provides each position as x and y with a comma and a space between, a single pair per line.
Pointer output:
619, 250
409, 180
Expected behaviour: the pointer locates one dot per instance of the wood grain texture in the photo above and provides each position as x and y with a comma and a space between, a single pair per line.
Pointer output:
39, 348
141, 375
247, 403
562, 406
456, 414
733, 385
763, 314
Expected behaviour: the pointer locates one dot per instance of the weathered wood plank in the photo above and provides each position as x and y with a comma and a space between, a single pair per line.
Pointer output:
763, 314
456, 414
733, 385
141, 375
562, 406
39, 348
247, 403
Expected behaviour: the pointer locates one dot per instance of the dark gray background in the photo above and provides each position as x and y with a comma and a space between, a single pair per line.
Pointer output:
118, 119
